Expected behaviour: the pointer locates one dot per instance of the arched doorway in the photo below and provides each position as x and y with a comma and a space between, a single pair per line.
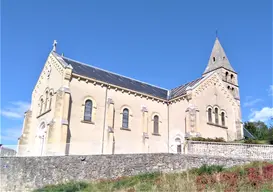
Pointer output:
41, 137
178, 145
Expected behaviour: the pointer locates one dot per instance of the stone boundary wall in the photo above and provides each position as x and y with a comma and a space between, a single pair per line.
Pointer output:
232, 150
27, 173
7, 152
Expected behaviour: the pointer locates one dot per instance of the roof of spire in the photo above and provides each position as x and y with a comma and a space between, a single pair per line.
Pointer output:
218, 58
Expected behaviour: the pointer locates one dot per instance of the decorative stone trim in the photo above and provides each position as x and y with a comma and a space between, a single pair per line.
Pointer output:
64, 122
47, 111
110, 101
125, 129
116, 88
216, 125
156, 134
145, 135
110, 130
144, 108
88, 122
51, 122
65, 89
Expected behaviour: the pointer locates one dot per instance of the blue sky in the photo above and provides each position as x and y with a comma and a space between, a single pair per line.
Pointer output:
166, 43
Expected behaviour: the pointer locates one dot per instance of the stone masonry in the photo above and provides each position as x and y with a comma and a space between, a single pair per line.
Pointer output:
232, 150
27, 173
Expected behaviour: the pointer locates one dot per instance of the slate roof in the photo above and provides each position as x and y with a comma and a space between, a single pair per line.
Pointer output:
181, 90
115, 79
122, 81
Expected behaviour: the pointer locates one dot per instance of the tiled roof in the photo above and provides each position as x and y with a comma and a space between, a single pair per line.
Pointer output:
125, 82
181, 90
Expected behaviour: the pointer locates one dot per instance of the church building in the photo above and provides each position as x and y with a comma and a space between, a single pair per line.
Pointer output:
80, 109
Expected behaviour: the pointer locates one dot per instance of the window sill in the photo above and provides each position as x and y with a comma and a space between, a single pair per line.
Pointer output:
156, 134
125, 129
88, 122
44, 113
216, 125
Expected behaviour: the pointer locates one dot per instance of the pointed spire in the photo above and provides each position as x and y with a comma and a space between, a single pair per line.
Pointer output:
218, 58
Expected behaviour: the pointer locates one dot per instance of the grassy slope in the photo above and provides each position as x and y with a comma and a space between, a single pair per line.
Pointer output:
186, 181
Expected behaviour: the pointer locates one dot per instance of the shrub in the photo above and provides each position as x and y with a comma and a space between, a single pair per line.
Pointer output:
268, 172
208, 169
251, 141
67, 187
220, 139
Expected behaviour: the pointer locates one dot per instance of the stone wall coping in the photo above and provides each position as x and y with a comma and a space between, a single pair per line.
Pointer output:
129, 155
237, 144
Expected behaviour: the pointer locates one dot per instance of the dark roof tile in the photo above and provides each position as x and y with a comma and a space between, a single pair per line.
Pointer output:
181, 90
118, 80
125, 82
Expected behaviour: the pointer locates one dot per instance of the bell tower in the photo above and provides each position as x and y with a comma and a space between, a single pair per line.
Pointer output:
219, 62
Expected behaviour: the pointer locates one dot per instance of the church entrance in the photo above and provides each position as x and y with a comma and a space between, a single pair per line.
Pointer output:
178, 145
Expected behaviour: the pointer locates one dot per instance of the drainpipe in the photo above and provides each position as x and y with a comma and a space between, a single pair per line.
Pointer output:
104, 120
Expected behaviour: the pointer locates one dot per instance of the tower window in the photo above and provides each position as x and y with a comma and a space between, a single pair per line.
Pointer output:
226, 76
228, 87
213, 59
224, 58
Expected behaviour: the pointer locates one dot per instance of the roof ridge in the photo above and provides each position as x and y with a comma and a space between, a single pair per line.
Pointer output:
114, 73
187, 83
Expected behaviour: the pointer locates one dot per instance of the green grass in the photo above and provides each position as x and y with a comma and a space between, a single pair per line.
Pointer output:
155, 182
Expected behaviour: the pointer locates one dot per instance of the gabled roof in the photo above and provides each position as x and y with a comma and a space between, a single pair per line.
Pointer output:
218, 58
115, 79
122, 81
182, 89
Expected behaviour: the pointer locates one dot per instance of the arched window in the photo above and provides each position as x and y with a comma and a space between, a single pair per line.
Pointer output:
223, 118
231, 77
156, 124
88, 110
50, 99
46, 101
216, 116
226, 76
41, 106
125, 118
209, 115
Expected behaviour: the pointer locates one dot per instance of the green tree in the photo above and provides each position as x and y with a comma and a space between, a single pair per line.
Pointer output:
258, 129
270, 132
